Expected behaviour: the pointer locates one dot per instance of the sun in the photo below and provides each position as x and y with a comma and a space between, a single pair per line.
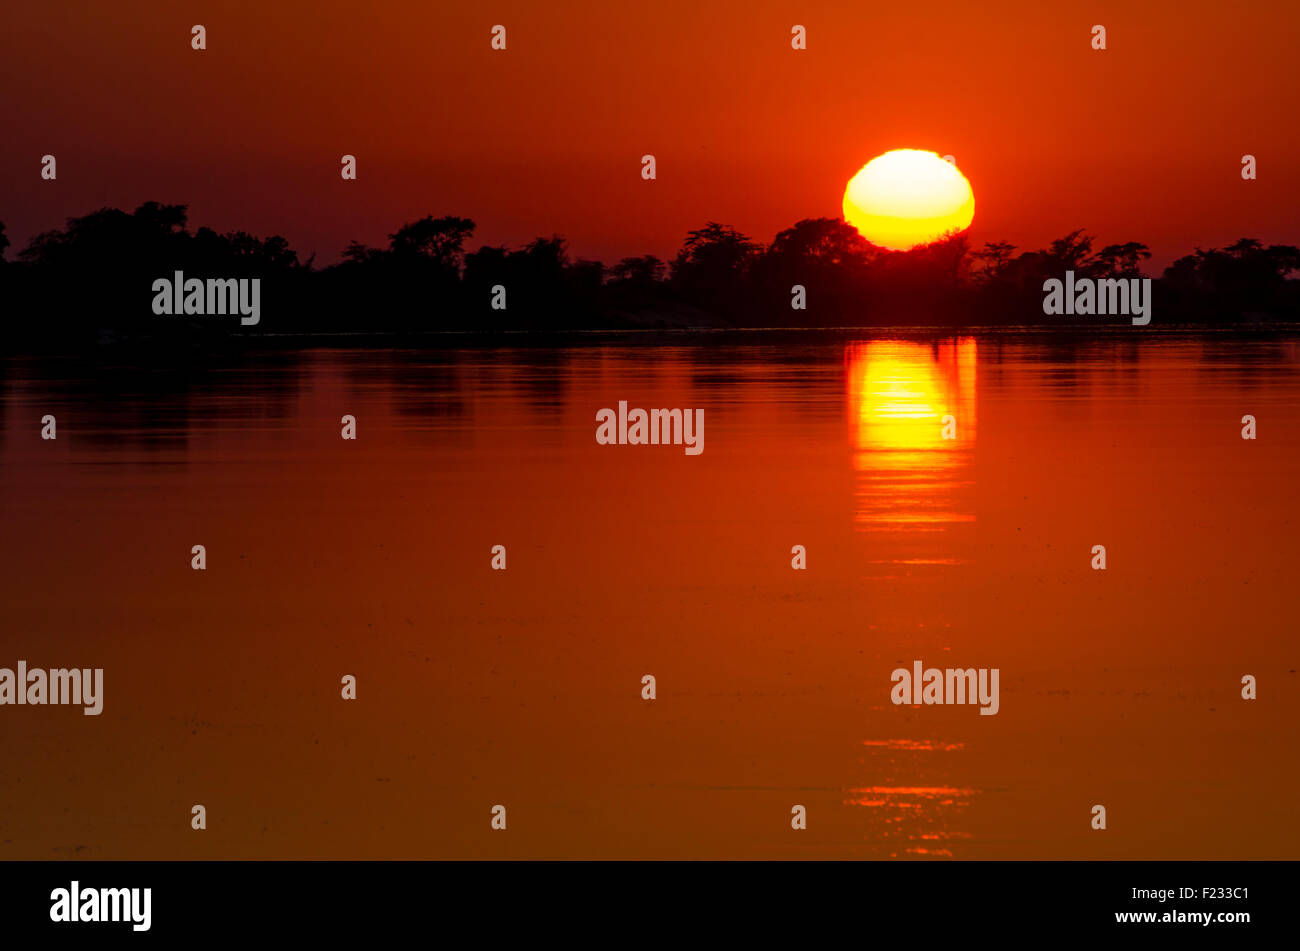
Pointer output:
908, 197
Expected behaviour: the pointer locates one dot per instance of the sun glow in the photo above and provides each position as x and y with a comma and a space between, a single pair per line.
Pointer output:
908, 197
910, 478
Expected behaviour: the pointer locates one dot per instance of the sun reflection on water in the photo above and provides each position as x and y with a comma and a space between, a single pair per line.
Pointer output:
910, 478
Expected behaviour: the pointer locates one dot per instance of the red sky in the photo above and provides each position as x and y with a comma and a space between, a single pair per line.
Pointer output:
1140, 142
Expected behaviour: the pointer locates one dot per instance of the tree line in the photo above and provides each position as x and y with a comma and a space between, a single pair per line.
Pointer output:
95, 274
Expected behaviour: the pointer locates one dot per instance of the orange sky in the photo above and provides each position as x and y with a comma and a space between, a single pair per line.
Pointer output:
1140, 142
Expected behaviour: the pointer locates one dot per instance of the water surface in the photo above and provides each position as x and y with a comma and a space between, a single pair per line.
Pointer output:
523, 687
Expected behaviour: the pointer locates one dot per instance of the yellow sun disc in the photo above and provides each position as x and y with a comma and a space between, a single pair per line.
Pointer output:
908, 197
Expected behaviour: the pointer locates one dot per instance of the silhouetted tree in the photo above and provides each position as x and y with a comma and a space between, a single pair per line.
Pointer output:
1245, 278
166, 219
714, 253
641, 272
1070, 253
440, 240
543, 259
1073, 252
1121, 260
825, 256
540, 283
995, 256
585, 276
358, 253
948, 258
711, 269
823, 242
416, 279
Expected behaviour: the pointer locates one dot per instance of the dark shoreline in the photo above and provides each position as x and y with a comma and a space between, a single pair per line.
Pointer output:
545, 339
143, 279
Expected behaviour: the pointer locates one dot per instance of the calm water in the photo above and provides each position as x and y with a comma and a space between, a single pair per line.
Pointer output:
523, 688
